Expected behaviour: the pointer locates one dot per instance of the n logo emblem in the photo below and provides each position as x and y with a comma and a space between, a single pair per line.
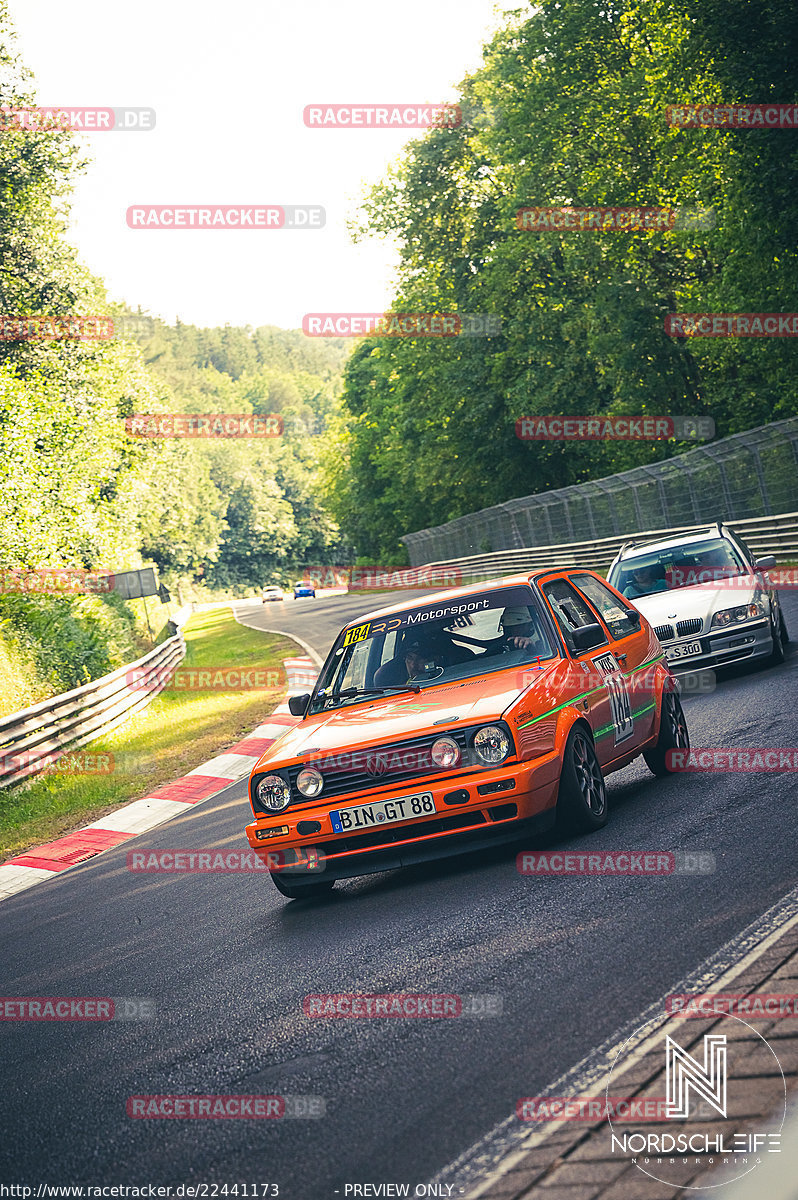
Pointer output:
682, 1072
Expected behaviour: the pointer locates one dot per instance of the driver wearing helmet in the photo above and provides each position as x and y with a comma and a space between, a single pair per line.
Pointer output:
520, 631
421, 651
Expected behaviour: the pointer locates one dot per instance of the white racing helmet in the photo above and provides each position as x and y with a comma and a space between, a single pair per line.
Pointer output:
516, 616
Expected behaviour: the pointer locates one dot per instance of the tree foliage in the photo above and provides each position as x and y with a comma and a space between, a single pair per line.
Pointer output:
574, 101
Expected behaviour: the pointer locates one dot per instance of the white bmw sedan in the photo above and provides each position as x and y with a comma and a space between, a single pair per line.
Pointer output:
710, 602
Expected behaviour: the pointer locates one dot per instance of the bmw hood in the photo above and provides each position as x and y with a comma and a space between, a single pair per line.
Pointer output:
701, 601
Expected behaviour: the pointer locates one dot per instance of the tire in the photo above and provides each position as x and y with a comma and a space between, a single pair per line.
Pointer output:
777, 635
785, 637
582, 796
303, 891
673, 735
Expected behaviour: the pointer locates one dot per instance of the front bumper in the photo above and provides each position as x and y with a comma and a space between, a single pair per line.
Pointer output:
514, 800
723, 647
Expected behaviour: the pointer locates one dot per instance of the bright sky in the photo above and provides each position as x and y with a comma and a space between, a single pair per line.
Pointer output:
229, 81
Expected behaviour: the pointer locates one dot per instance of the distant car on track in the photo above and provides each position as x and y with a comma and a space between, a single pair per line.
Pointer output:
471, 717
301, 588
271, 593
710, 601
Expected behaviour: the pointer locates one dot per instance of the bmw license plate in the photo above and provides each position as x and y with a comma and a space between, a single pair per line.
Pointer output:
382, 812
685, 650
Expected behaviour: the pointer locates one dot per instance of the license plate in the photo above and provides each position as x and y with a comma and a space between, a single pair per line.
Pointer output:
382, 812
686, 650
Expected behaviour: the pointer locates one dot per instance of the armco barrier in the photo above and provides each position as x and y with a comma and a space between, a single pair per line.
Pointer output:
764, 535
51, 728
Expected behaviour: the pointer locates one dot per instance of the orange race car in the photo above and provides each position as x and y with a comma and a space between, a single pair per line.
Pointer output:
472, 717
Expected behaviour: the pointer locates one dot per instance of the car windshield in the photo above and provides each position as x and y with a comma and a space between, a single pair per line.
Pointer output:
677, 567
456, 639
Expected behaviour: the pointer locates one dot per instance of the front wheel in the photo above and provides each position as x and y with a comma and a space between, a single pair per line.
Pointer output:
779, 638
302, 891
673, 735
582, 796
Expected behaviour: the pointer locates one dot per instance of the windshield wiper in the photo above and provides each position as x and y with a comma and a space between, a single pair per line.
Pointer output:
373, 691
349, 693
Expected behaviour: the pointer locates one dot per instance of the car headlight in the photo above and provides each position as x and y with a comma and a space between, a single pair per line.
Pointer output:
445, 752
732, 616
492, 744
273, 793
310, 781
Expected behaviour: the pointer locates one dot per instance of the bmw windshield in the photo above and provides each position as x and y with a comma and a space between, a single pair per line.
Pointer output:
457, 639
666, 570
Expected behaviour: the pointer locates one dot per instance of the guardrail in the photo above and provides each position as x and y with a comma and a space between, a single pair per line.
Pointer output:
764, 535
36, 736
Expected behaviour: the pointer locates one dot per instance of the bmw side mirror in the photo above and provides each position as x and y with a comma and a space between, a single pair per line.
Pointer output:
588, 636
766, 563
298, 705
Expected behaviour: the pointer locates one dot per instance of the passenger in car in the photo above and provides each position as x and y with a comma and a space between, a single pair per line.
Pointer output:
646, 580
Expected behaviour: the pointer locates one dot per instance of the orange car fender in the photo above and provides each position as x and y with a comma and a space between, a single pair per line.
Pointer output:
568, 717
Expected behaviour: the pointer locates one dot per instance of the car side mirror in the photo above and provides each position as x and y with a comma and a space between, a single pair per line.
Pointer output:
634, 617
766, 563
588, 636
298, 705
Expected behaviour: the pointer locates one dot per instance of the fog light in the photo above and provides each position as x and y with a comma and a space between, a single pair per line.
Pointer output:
280, 831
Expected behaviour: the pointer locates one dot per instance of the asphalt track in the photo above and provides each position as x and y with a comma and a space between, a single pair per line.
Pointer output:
227, 961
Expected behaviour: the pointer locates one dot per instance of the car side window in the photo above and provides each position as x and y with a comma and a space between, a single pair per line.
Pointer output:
570, 609
614, 615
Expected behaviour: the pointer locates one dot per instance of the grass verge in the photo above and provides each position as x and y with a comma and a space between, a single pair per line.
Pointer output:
176, 732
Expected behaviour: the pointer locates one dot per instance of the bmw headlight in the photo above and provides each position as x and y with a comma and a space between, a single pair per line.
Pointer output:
445, 752
310, 781
273, 793
492, 744
733, 616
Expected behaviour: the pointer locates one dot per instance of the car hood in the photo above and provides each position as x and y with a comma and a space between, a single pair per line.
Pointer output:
697, 601
393, 718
